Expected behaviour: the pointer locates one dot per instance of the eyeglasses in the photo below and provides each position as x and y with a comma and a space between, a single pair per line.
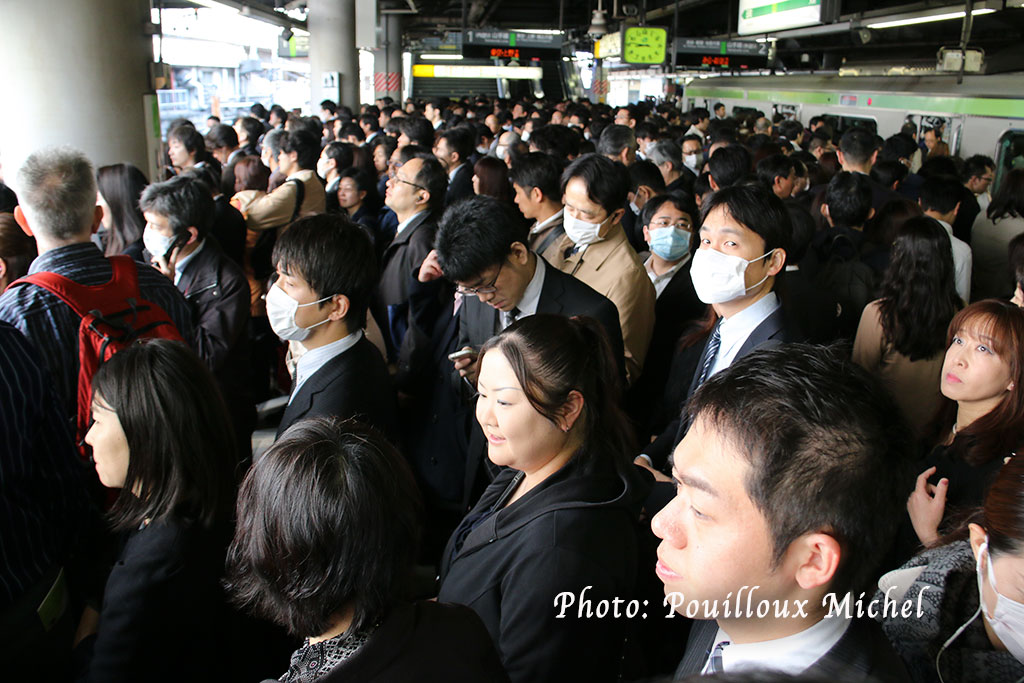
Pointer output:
483, 289
407, 182
681, 224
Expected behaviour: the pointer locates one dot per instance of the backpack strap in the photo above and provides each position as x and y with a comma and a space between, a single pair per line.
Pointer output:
83, 299
300, 196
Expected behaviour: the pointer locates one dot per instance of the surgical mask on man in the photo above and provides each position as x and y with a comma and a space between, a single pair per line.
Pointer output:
670, 243
693, 161
1007, 619
156, 244
719, 278
281, 310
525, 137
580, 232
500, 150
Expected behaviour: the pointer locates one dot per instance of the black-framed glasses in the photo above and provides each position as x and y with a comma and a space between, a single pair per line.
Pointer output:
407, 182
681, 224
483, 289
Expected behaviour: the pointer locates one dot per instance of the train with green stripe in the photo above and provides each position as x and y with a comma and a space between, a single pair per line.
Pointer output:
982, 115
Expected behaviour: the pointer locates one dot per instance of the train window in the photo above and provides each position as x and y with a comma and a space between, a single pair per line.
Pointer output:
948, 126
790, 111
841, 123
1009, 156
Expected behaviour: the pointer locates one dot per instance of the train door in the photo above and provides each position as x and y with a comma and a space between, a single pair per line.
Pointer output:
1009, 156
951, 128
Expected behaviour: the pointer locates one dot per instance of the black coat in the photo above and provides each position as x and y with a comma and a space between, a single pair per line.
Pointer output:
862, 654
571, 531
461, 186
424, 641
354, 383
163, 615
228, 228
400, 262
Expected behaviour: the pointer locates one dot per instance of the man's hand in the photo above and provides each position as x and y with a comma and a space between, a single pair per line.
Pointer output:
468, 367
430, 269
166, 266
658, 476
926, 506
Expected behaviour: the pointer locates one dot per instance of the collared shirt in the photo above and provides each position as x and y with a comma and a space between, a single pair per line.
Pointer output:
660, 282
792, 655
451, 174
405, 224
736, 329
531, 295
52, 327
180, 265
314, 359
694, 130
544, 224
963, 260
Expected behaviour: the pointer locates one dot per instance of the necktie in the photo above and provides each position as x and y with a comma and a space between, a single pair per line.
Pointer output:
709, 360
716, 658
513, 315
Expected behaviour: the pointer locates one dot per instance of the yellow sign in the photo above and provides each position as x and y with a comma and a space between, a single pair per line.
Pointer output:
462, 71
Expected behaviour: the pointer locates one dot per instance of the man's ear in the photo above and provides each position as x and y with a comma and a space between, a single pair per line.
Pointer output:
777, 261
819, 556
824, 213
617, 216
714, 185
19, 218
340, 306
536, 196
97, 220
193, 234
871, 213
519, 253
3, 269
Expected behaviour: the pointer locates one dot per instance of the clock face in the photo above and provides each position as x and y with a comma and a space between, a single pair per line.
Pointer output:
644, 45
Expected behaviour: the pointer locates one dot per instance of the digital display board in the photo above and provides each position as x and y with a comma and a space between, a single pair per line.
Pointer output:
765, 16
711, 54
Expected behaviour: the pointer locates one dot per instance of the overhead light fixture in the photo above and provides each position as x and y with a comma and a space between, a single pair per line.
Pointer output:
541, 31
434, 57
928, 18
598, 24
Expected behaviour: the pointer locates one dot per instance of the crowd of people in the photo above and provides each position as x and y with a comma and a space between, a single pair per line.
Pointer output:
548, 391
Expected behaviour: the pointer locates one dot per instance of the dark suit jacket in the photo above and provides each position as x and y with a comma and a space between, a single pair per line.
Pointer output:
561, 294
352, 384
773, 330
229, 228
400, 261
461, 186
862, 654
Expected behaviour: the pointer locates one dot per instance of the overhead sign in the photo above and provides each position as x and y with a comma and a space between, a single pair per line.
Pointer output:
296, 46
729, 55
765, 16
608, 46
513, 39
466, 71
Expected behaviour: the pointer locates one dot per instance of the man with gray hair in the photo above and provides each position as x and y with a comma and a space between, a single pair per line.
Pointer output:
57, 190
618, 143
667, 155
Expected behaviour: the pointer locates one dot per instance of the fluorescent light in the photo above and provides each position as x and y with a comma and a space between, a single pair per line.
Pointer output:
211, 4
453, 57
538, 31
929, 18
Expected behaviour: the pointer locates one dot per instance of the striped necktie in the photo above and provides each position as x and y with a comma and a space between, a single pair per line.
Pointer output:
716, 665
712, 354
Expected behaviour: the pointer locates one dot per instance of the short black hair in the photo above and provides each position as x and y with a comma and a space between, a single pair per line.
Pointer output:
253, 129
888, 172
185, 202
190, 138
772, 167
305, 145
330, 106
857, 145
418, 130
976, 166
680, 200
370, 121
606, 180
757, 208
539, 170
351, 129
615, 138
333, 255
557, 140
474, 235
222, 135
729, 165
434, 178
699, 114
848, 197
644, 172
159, 387
940, 193
460, 139
827, 449
341, 153
898, 146
328, 519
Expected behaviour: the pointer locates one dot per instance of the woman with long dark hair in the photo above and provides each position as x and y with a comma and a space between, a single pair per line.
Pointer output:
490, 177
991, 235
119, 187
969, 593
162, 436
980, 423
562, 514
902, 333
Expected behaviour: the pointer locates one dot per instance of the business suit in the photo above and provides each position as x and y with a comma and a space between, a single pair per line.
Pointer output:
862, 654
460, 186
612, 268
355, 383
559, 295
399, 263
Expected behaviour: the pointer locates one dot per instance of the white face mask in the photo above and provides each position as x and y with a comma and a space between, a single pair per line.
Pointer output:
281, 309
719, 278
634, 208
156, 244
525, 137
1007, 620
500, 150
580, 232
692, 161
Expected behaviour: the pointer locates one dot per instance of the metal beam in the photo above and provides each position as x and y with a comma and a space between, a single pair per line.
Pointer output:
256, 11
488, 13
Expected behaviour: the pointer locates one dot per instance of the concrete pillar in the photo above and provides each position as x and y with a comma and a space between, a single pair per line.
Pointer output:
333, 56
75, 73
387, 61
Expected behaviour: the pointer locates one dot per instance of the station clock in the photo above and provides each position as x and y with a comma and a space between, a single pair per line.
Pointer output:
644, 44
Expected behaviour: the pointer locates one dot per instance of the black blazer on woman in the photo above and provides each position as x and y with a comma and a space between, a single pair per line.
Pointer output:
572, 531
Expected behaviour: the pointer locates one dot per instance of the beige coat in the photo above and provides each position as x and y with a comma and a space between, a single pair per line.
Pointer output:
613, 268
275, 210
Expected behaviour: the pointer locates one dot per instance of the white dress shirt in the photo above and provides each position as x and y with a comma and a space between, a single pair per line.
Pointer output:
792, 655
404, 224
179, 266
660, 282
531, 295
736, 329
314, 359
540, 227
963, 261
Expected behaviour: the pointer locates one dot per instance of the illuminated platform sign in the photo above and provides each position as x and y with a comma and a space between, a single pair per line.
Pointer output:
765, 16
467, 71
724, 55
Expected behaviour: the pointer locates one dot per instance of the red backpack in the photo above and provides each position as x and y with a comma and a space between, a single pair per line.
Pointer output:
113, 315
